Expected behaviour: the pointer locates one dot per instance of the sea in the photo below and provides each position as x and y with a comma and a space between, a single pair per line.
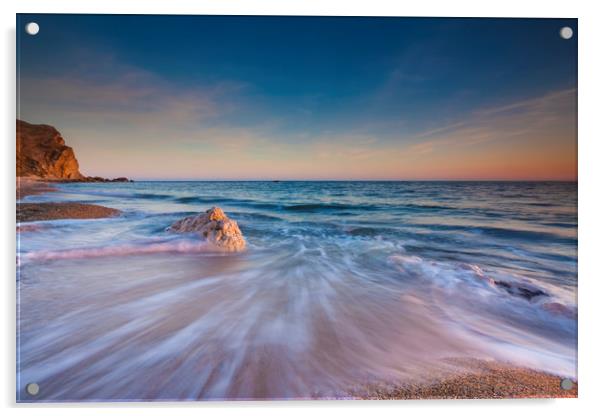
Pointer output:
344, 285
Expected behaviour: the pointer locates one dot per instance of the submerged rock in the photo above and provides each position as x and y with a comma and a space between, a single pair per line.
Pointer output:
523, 290
215, 226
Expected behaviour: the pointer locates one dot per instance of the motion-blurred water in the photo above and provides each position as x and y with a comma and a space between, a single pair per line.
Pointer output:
343, 284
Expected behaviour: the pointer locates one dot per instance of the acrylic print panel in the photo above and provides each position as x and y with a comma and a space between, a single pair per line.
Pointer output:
230, 207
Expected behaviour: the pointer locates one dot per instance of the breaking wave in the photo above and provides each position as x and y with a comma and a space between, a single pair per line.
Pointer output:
122, 250
342, 284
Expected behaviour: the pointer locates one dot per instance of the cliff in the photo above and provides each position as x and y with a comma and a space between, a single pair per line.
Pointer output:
42, 153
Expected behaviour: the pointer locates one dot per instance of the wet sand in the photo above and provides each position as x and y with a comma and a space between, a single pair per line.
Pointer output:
28, 186
480, 380
62, 211
54, 210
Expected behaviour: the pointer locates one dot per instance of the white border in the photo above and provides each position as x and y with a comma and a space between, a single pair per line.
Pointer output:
590, 185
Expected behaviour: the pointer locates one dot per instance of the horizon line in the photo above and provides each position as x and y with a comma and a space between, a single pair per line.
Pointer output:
355, 180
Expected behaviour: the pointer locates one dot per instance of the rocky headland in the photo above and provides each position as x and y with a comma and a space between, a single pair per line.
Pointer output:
44, 158
43, 155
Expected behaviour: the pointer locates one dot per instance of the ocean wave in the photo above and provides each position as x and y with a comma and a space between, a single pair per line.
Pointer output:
329, 291
151, 196
364, 231
467, 275
541, 204
526, 236
317, 207
428, 207
255, 216
509, 233
210, 200
122, 250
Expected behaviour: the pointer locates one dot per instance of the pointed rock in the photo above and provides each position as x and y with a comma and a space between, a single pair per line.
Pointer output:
215, 226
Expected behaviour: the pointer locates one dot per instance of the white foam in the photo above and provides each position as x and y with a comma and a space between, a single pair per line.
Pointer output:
121, 250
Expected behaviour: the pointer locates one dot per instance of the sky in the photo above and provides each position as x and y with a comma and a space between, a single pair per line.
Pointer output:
241, 97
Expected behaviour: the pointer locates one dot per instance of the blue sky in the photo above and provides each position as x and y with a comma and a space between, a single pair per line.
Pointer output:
298, 97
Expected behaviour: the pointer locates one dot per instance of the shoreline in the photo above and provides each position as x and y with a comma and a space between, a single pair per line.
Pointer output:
474, 379
47, 211
479, 380
30, 186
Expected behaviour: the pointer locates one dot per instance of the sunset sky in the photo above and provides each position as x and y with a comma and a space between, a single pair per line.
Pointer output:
210, 97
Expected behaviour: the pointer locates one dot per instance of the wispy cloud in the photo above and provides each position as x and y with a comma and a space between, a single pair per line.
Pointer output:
124, 94
529, 119
124, 120
542, 105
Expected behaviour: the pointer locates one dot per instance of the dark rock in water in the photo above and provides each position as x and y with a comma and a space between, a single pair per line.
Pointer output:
100, 179
215, 226
524, 291
88, 179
